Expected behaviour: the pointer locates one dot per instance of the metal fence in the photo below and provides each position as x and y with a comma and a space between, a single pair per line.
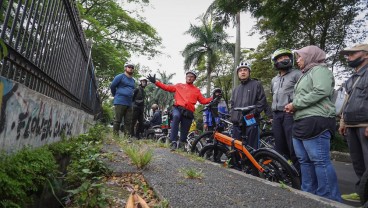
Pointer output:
48, 51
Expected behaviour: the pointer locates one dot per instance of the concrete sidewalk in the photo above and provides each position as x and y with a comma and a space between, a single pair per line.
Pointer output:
219, 187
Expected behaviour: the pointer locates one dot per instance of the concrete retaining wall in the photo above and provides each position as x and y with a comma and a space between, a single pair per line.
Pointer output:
28, 118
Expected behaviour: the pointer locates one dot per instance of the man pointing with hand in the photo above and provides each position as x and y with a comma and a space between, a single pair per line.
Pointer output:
186, 96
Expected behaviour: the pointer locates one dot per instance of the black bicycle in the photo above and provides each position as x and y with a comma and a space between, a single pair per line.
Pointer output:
266, 138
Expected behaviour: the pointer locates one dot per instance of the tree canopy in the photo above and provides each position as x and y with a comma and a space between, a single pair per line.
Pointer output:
209, 39
329, 24
116, 35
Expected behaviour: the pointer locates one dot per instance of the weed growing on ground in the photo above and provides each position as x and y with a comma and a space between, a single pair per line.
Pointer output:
163, 204
227, 163
90, 194
109, 155
192, 173
283, 185
191, 156
140, 156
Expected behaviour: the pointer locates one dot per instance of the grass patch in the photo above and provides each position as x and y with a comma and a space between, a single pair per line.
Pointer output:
140, 156
163, 204
192, 173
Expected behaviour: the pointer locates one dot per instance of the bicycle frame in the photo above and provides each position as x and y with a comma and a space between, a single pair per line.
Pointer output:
262, 162
229, 141
239, 146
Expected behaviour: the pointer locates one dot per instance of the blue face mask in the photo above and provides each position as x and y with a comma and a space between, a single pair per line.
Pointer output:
355, 63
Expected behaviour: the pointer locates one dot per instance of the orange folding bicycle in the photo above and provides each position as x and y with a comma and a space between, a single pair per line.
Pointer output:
264, 162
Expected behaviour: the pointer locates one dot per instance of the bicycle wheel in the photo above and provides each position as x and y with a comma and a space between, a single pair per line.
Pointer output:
214, 153
277, 169
202, 140
189, 143
163, 139
267, 140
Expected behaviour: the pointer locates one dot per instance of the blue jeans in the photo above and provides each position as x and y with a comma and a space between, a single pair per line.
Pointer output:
318, 174
184, 125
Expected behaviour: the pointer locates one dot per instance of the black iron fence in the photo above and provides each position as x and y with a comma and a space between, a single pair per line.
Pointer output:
48, 51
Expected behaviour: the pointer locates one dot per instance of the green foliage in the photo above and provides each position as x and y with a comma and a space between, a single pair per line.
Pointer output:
85, 168
163, 204
193, 173
62, 148
209, 39
24, 174
90, 194
140, 156
116, 34
3, 50
329, 24
339, 144
95, 134
107, 113
156, 95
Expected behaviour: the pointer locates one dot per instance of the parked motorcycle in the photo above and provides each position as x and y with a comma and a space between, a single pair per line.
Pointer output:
152, 132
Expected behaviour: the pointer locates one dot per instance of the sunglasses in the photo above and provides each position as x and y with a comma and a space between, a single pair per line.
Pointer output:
132, 67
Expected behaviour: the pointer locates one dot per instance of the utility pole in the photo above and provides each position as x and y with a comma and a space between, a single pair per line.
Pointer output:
237, 50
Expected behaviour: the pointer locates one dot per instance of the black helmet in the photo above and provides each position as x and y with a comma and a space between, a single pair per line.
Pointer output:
216, 90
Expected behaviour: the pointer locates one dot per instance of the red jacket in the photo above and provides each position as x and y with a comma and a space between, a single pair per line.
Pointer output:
186, 95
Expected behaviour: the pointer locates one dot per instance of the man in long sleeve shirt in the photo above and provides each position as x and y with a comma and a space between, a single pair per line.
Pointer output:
186, 96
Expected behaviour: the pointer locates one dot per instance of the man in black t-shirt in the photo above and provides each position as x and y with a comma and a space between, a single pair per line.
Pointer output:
138, 108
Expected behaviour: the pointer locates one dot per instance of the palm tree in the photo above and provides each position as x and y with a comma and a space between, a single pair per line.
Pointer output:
224, 12
209, 39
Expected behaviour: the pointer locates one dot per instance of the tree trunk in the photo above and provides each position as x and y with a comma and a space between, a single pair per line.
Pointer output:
208, 80
237, 51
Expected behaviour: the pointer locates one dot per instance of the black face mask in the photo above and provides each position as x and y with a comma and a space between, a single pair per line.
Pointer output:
285, 64
355, 63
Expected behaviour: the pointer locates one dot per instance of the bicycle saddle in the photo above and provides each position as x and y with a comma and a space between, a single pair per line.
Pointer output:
245, 110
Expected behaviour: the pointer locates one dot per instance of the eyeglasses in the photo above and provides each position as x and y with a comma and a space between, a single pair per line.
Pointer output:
132, 67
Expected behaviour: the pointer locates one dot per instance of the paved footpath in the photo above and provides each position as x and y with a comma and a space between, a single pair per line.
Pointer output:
219, 188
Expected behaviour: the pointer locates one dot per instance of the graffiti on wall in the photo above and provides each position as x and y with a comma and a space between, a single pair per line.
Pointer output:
29, 118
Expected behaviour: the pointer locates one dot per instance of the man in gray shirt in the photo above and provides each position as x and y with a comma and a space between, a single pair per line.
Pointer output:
282, 88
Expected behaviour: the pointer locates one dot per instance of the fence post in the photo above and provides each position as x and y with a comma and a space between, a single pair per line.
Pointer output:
89, 43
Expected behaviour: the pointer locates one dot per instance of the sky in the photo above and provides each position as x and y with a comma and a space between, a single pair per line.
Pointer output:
171, 18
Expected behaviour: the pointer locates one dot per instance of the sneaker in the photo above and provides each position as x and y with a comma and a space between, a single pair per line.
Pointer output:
173, 146
353, 197
181, 145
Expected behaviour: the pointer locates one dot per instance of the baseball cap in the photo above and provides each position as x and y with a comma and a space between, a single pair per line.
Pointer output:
359, 47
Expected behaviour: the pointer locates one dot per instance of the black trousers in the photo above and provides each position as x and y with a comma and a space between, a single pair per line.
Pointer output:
282, 126
252, 133
137, 117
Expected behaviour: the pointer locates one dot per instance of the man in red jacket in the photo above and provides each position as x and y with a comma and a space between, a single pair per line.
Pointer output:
186, 96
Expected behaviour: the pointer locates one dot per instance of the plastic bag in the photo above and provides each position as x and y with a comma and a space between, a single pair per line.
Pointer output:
340, 100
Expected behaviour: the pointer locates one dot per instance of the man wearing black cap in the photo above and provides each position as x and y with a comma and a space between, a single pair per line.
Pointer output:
354, 119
